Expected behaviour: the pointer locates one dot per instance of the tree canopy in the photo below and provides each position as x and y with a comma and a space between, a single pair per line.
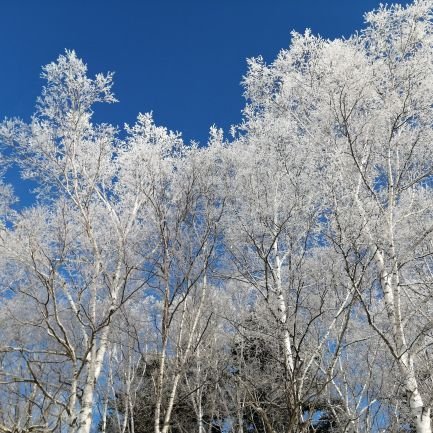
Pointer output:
277, 281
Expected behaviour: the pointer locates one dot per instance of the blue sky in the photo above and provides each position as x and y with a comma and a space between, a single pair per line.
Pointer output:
182, 59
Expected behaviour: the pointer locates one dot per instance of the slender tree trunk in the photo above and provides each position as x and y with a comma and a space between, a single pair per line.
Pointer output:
282, 309
292, 406
199, 393
419, 412
94, 370
160, 378
184, 359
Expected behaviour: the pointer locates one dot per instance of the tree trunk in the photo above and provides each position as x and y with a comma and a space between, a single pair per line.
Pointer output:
95, 364
420, 413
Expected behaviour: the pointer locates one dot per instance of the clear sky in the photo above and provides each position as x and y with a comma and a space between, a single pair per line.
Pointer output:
182, 59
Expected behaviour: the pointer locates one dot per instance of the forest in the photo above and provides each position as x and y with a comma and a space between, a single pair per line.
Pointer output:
277, 279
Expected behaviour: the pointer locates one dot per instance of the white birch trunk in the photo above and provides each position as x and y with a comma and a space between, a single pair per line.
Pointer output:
419, 412
94, 370
282, 309
199, 394
184, 359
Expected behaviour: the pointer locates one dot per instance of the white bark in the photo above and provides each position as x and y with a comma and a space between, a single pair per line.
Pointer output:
282, 308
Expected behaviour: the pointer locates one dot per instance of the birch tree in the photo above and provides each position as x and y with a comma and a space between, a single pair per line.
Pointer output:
274, 240
76, 263
386, 131
364, 105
